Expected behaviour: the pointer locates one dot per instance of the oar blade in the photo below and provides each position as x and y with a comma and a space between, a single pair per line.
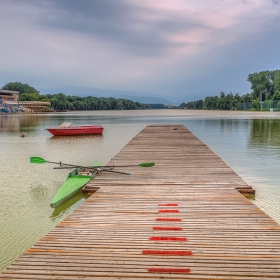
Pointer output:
37, 160
146, 164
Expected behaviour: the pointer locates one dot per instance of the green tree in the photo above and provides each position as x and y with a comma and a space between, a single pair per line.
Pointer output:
60, 102
276, 77
247, 97
262, 83
29, 97
20, 87
256, 104
211, 102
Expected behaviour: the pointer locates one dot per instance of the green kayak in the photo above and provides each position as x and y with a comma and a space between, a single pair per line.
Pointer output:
74, 182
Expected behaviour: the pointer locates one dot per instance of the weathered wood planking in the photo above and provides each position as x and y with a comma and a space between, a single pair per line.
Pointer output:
108, 235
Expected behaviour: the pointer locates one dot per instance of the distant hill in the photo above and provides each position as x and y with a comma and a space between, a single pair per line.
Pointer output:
135, 96
144, 99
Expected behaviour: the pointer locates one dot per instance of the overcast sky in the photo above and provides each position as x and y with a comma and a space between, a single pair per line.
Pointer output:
178, 49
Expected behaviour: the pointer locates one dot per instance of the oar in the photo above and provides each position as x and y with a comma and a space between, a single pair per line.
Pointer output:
125, 173
95, 169
144, 164
39, 160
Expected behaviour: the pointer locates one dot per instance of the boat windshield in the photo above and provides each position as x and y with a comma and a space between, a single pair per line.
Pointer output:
65, 124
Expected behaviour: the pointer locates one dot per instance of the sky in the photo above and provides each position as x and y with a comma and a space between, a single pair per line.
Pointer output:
181, 50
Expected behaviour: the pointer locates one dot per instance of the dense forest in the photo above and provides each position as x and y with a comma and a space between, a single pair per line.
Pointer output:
265, 94
265, 86
62, 102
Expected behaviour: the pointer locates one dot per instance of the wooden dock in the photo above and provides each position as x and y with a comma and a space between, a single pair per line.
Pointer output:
184, 218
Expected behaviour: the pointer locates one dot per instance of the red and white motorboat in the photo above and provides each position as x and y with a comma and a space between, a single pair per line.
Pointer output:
66, 130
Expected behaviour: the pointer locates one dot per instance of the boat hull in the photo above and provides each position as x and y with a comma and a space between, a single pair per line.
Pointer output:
76, 130
69, 188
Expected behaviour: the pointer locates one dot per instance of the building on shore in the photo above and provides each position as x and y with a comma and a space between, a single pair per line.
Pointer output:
9, 103
9, 96
35, 106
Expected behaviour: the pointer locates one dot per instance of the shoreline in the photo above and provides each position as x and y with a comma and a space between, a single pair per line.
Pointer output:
167, 112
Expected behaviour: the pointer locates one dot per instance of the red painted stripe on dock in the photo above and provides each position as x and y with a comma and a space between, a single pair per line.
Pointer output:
166, 252
169, 219
167, 238
167, 228
169, 270
168, 211
168, 204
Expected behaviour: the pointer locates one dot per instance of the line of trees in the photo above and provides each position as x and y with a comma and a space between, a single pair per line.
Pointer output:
225, 101
62, 102
265, 93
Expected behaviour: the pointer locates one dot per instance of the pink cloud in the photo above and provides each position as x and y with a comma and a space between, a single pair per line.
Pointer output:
246, 16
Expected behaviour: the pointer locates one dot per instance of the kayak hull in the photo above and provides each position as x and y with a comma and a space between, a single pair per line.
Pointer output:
73, 184
69, 188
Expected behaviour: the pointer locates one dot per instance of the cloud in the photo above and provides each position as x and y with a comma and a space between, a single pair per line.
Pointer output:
137, 29
158, 45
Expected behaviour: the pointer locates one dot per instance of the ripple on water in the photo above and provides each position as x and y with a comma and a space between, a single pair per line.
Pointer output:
267, 198
270, 205
23, 232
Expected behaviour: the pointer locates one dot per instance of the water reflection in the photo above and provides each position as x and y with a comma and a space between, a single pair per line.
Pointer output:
20, 122
265, 132
32, 121
65, 207
75, 137
9, 123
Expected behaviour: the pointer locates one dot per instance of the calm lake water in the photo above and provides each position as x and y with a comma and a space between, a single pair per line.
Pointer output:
248, 142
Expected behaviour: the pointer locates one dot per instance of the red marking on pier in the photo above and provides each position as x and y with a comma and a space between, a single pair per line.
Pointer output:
169, 219
169, 270
166, 252
167, 238
167, 228
168, 211
168, 204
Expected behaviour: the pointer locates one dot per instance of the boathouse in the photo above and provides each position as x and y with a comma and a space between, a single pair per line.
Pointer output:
9, 96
